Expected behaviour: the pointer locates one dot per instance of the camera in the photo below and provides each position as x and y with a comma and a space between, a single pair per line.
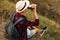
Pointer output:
30, 7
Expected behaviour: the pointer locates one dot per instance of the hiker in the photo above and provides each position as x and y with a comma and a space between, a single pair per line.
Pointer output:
24, 26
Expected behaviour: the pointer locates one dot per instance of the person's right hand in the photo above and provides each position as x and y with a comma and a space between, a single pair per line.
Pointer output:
34, 6
37, 29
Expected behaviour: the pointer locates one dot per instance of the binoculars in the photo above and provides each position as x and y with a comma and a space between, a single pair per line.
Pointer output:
30, 7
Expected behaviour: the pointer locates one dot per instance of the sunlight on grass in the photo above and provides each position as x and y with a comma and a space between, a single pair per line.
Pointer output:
53, 31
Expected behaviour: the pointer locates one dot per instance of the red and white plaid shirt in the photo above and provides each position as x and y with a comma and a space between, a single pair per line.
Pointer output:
23, 24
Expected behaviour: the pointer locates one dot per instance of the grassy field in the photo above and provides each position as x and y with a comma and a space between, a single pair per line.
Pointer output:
6, 10
53, 30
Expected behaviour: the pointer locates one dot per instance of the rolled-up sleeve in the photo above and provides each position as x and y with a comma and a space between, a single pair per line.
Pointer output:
33, 23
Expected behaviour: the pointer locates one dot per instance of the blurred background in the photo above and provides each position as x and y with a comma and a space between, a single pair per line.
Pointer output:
48, 12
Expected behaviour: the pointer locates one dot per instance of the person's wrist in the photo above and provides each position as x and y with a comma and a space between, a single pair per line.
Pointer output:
34, 10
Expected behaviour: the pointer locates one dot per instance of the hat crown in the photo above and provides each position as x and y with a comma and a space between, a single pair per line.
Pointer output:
21, 4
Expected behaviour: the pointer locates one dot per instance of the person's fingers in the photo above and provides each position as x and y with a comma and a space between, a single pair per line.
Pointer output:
33, 5
29, 27
34, 27
38, 30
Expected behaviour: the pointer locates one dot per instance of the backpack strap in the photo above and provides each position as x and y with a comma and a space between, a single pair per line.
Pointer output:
13, 16
18, 20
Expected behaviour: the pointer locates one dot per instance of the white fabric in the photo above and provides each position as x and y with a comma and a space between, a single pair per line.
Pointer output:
30, 33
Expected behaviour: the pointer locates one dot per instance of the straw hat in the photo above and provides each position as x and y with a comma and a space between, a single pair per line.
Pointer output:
22, 5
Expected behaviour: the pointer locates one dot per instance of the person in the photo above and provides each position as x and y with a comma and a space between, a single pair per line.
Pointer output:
24, 25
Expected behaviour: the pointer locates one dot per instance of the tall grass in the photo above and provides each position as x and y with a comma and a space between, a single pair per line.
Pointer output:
6, 9
53, 31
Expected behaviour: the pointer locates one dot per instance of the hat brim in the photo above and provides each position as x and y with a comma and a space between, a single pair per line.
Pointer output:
27, 4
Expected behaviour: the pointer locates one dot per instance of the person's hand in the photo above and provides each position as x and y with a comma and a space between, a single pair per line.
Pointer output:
34, 7
34, 11
29, 27
37, 29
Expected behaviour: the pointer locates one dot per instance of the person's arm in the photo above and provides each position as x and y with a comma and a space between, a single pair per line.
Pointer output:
34, 11
36, 20
32, 23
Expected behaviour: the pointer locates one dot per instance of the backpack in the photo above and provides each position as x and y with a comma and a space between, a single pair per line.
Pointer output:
10, 28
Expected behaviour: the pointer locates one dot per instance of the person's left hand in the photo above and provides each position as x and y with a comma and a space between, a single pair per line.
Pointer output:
34, 6
29, 27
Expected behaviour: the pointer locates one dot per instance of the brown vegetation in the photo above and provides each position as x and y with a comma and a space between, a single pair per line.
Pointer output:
47, 8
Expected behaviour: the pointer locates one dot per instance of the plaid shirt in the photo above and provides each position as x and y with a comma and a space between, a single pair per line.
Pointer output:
23, 24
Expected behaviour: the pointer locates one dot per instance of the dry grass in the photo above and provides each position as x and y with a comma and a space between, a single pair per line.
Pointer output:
52, 33
53, 30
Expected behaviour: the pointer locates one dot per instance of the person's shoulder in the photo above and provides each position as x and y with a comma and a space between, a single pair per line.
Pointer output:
19, 15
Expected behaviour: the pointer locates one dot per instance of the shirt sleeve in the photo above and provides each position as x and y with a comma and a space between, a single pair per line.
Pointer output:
26, 22
32, 23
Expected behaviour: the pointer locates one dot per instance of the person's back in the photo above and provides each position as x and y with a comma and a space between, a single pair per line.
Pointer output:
21, 8
21, 27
